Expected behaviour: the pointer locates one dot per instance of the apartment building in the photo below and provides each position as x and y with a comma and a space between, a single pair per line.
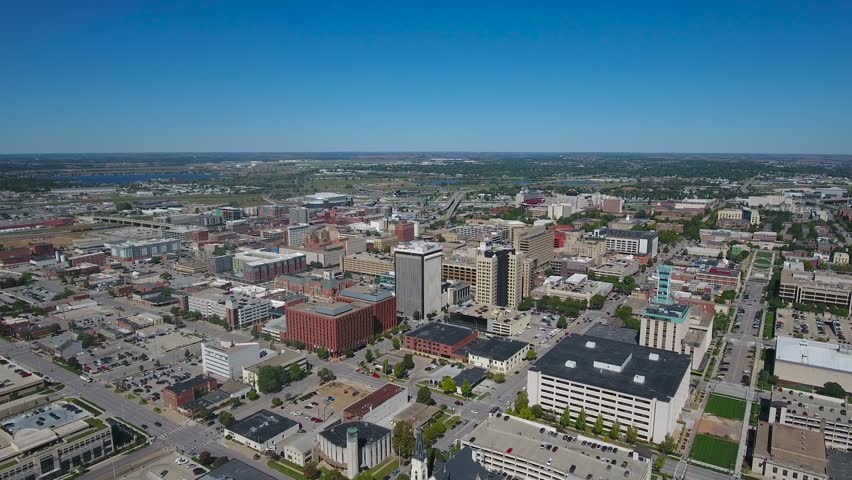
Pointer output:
498, 355
639, 386
801, 286
737, 216
499, 272
418, 278
368, 264
239, 311
228, 359
255, 266
296, 234
135, 250
631, 242
514, 447
52, 442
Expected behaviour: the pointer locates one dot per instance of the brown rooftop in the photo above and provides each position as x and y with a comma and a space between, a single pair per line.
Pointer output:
371, 401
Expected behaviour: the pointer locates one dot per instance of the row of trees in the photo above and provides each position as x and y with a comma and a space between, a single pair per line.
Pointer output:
271, 379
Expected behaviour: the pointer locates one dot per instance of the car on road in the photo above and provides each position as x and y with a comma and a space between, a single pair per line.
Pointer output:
158, 424
144, 426
459, 403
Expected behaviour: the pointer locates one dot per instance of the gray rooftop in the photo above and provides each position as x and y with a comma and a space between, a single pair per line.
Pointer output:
367, 294
440, 333
235, 469
618, 334
662, 377
261, 426
496, 348
368, 433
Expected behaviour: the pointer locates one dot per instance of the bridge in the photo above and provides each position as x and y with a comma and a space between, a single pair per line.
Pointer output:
133, 222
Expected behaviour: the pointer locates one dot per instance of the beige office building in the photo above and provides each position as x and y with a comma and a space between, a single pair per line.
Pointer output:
536, 243
368, 264
801, 286
499, 276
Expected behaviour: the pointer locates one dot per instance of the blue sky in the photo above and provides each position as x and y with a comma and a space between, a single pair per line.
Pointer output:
125, 76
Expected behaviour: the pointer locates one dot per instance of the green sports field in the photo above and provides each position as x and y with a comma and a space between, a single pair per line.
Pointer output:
726, 407
714, 451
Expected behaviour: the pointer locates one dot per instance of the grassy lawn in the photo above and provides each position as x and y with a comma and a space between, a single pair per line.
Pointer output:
88, 406
714, 451
385, 469
726, 407
286, 470
769, 325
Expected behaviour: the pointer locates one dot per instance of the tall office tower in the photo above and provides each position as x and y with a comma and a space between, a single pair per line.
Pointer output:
418, 278
665, 324
298, 215
499, 275
536, 243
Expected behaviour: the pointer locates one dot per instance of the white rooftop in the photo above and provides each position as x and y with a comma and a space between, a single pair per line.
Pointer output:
814, 354
420, 248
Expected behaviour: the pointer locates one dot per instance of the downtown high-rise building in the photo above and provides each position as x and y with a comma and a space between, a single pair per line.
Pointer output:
418, 278
499, 275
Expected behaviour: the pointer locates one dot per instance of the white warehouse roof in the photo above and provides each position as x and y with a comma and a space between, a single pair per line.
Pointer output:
815, 354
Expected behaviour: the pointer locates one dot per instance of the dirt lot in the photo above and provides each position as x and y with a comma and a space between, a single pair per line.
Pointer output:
720, 427
342, 392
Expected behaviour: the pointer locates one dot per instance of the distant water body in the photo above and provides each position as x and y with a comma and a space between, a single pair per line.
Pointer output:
120, 178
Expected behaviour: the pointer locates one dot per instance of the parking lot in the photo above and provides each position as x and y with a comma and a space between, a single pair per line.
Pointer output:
147, 385
812, 326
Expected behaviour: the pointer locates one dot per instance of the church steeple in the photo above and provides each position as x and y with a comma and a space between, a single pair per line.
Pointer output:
420, 459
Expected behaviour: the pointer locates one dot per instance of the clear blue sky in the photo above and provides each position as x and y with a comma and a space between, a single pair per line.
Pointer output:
127, 76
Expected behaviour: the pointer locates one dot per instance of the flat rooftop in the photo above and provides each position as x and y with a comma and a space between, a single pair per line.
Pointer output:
11, 380
235, 469
261, 426
440, 333
496, 348
328, 309
616, 366
790, 446
368, 294
368, 433
523, 442
814, 354
373, 400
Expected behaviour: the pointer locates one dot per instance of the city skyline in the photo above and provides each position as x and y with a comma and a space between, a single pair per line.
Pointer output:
181, 77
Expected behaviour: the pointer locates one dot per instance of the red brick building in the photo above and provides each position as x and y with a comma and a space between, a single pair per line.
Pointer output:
312, 285
382, 302
440, 340
404, 231
334, 326
97, 258
181, 393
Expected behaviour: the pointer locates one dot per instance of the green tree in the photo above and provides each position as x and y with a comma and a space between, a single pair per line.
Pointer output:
499, 377
399, 370
522, 401
73, 363
295, 373
368, 356
562, 322
598, 428
325, 375
833, 389
268, 379
403, 439
323, 353
186, 354
615, 430
408, 361
396, 343
386, 368
466, 388
632, 434
424, 395
580, 422
531, 354
252, 395
87, 340
668, 445
277, 402
448, 385
226, 419
565, 419
597, 302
